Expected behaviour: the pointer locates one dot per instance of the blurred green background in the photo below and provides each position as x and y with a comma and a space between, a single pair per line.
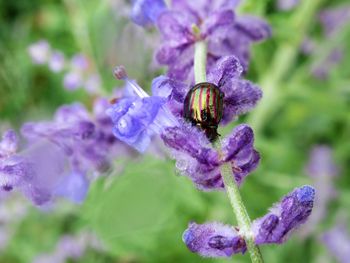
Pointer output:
141, 215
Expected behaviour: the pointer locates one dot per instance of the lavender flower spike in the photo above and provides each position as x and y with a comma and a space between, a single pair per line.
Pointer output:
213, 240
284, 217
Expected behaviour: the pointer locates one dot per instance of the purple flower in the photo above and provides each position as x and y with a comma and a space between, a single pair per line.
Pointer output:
56, 62
213, 240
334, 19
284, 217
322, 169
73, 80
60, 154
40, 52
135, 122
240, 95
287, 5
189, 22
196, 159
80, 62
337, 240
146, 12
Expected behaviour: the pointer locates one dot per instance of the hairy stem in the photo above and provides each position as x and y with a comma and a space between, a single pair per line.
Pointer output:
243, 220
240, 211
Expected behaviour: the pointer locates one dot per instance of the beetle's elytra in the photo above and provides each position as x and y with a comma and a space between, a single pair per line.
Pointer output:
203, 107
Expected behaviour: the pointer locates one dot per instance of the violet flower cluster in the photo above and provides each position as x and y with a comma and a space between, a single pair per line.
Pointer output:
140, 118
217, 240
185, 23
61, 156
78, 71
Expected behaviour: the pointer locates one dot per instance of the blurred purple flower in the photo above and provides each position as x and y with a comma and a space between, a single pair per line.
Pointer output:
72, 80
284, 217
213, 240
287, 5
322, 169
146, 12
321, 162
70, 247
93, 84
60, 154
189, 22
334, 19
337, 240
40, 52
56, 61
80, 62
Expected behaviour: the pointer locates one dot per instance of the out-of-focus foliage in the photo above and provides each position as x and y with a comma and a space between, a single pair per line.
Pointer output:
140, 214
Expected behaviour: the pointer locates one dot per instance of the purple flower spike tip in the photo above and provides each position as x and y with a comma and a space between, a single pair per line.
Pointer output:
284, 217
213, 240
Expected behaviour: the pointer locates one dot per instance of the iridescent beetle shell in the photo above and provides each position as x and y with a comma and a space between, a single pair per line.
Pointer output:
203, 107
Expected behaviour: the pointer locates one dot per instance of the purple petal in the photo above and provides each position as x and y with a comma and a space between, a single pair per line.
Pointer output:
174, 91
218, 20
134, 120
146, 12
240, 97
202, 8
286, 216
239, 143
255, 28
175, 26
74, 187
225, 69
8, 144
213, 240
189, 141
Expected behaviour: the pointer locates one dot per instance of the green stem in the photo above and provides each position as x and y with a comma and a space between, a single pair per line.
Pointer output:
200, 61
240, 211
243, 220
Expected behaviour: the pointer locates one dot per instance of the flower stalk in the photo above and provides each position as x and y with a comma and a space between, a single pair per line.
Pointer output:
242, 217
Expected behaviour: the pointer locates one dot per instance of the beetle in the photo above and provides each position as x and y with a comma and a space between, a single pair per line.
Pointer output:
203, 107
